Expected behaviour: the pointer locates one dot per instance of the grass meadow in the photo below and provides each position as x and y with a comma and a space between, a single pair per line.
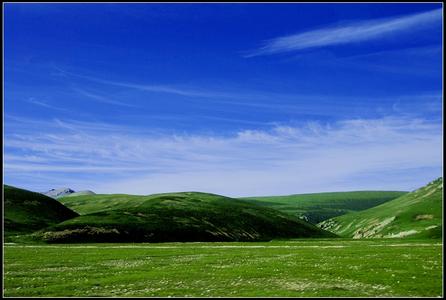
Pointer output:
293, 268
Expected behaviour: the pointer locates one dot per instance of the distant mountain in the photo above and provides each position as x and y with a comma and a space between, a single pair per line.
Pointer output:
175, 217
27, 211
66, 192
56, 193
416, 215
318, 207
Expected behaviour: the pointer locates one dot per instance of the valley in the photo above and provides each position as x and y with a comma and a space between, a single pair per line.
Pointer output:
194, 244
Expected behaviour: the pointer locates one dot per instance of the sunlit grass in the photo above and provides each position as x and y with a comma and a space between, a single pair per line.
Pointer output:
279, 268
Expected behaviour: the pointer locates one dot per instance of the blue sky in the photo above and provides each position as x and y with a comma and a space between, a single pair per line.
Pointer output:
235, 99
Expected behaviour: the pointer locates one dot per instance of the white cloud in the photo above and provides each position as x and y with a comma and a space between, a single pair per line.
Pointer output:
285, 159
353, 32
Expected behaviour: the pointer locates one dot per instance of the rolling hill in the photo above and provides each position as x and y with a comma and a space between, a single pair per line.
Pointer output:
417, 214
80, 193
318, 207
26, 211
174, 217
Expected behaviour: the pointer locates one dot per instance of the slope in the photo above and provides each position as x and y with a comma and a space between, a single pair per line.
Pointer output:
188, 216
80, 193
417, 214
26, 211
318, 207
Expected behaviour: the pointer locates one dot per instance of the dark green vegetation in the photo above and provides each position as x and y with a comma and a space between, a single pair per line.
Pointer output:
303, 268
321, 206
188, 216
25, 211
414, 215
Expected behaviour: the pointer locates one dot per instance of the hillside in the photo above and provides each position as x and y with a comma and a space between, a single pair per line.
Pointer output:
417, 214
26, 211
80, 193
188, 216
318, 207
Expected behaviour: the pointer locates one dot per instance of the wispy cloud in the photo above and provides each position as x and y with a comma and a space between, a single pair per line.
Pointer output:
349, 33
102, 99
32, 100
284, 159
255, 100
147, 87
413, 61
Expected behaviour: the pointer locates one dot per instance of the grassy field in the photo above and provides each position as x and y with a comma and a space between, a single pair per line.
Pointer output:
278, 268
318, 207
292, 268
308, 267
414, 215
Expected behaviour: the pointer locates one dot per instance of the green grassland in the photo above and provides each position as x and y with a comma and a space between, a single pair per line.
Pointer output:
415, 215
318, 207
295, 268
188, 216
25, 211
71, 254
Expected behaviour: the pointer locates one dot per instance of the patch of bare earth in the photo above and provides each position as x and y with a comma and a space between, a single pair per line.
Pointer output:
424, 217
305, 285
372, 229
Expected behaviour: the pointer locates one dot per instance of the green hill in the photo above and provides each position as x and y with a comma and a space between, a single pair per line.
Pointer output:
188, 216
80, 193
318, 207
25, 211
417, 214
